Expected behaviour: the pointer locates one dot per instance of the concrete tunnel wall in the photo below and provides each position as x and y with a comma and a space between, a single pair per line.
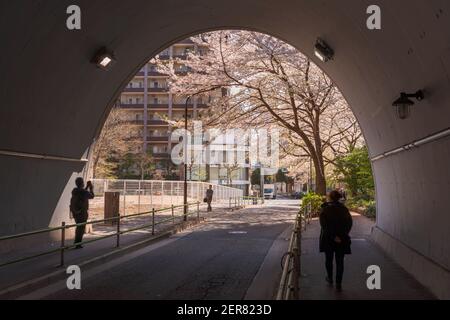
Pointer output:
53, 100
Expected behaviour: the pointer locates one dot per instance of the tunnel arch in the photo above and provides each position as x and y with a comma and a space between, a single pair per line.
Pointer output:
129, 78
50, 86
141, 64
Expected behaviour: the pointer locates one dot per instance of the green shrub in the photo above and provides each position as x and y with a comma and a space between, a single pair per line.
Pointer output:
371, 210
313, 201
366, 206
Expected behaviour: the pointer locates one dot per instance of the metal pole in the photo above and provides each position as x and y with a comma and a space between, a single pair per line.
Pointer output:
162, 194
198, 212
124, 199
199, 193
171, 193
139, 197
153, 221
185, 158
63, 242
299, 251
118, 232
151, 194
262, 184
173, 215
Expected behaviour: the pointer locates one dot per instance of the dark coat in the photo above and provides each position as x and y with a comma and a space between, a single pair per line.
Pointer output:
79, 203
336, 221
209, 195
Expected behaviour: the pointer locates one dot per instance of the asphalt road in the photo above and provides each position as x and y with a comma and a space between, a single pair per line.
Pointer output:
217, 260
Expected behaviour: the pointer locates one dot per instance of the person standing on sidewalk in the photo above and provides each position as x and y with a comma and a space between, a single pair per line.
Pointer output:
79, 206
209, 197
336, 222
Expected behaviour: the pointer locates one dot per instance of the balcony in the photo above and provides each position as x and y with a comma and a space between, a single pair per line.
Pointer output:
164, 155
180, 106
156, 74
158, 139
131, 105
160, 106
158, 89
127, 89
151, 74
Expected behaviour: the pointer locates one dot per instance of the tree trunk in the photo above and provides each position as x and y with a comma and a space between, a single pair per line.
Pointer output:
321, 184
319, 168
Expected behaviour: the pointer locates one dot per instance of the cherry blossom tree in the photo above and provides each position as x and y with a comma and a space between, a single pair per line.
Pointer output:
269, 84
117, 140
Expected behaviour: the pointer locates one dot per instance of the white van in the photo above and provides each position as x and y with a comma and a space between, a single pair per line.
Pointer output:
270, 191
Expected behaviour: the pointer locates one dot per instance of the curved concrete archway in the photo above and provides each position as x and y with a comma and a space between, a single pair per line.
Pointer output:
53, 100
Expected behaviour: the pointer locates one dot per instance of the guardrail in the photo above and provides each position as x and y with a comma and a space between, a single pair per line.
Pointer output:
238, 202
289, 288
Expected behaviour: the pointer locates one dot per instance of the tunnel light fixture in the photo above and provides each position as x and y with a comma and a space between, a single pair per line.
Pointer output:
323, 51
404, 103
104, 59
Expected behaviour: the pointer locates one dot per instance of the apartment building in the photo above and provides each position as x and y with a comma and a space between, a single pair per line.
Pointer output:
149, 102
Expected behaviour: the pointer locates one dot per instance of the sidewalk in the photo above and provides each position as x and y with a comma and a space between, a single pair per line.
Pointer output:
396, 284
20, 272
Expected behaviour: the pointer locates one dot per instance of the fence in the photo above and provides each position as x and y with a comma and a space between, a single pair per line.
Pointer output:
289, 288
138, 195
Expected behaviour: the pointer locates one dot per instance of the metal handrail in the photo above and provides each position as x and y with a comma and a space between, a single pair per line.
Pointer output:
63, 247
289, 287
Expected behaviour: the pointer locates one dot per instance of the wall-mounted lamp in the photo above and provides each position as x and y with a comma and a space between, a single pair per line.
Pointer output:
323, 51
104, 59
404, 103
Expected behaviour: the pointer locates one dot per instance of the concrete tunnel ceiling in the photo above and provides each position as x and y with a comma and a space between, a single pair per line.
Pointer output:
53, 100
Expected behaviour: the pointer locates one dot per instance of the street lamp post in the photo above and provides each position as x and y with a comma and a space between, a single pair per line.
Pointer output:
185, 202
262, 183
186, 144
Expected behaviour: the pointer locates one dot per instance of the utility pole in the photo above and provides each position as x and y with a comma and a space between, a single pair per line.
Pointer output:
262, 183
185, 202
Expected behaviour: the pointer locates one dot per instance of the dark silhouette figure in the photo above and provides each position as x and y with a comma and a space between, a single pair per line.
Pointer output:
79, 206
336, 222
209, 197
